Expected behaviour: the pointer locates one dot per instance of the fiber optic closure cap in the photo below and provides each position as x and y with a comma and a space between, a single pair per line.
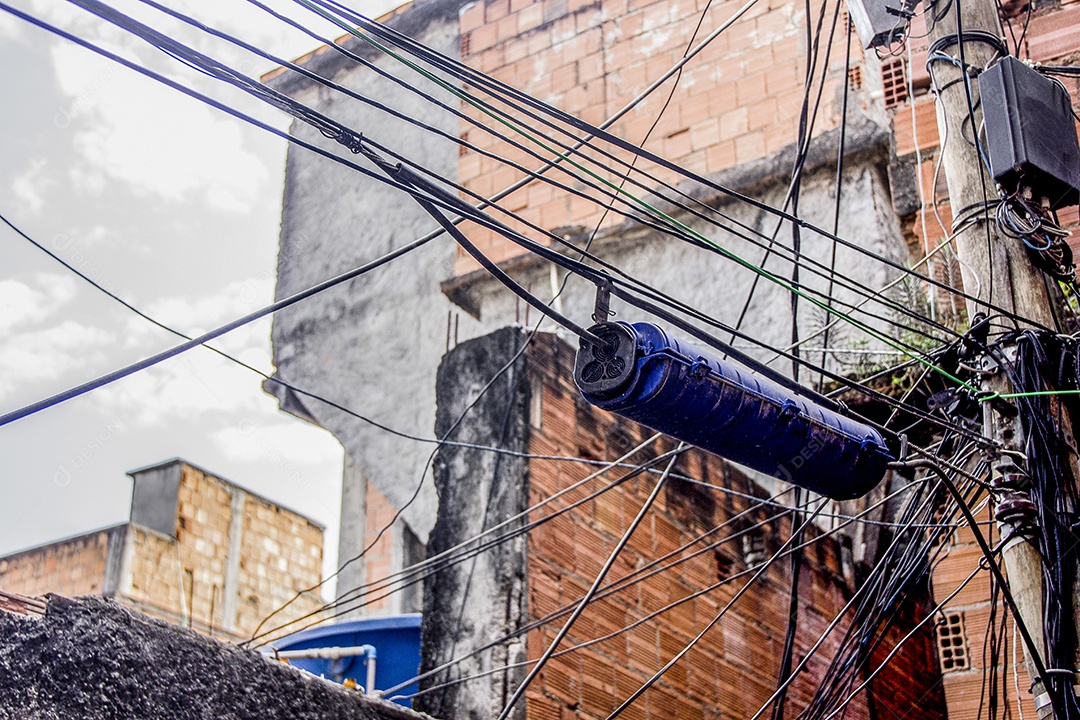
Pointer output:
641, 373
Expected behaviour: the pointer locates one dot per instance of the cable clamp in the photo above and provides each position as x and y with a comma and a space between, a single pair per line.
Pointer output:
602, 306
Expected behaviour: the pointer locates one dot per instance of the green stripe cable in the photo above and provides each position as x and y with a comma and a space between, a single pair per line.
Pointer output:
656, 212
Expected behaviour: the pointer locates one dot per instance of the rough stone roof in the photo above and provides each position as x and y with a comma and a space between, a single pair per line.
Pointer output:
91, 658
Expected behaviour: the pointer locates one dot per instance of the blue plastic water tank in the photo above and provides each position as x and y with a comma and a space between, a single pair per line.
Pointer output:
396, 640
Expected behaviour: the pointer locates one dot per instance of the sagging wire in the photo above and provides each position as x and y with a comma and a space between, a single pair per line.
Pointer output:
910, 561
472, 77
712, 623
343, 134
519, 691
619, 585
384, 582
875, 601
349, 600
355, 141
431, 457
1058, 699
628, 581
696, 239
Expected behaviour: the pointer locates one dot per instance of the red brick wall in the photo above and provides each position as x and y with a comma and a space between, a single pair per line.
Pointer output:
964, 687
737, 101
733, 671
71, 567
379, 561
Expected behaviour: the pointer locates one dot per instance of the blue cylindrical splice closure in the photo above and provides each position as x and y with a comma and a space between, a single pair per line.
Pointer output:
644, 375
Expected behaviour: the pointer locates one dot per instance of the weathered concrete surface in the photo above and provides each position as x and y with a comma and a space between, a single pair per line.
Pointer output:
470, 603
374, 344
716, 285
92, 659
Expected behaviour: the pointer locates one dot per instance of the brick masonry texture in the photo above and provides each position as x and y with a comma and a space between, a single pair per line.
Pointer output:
379, 561
75, 567
185, 579
732, 671
738, 101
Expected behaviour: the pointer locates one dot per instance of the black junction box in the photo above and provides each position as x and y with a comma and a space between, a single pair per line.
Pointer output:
880, 23
1030, 133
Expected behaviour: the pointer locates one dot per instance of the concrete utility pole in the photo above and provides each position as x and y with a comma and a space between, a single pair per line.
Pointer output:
995, 269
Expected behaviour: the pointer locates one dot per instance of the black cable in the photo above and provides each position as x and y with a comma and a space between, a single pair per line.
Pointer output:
1029, 642
350, 138
472, 77
358, 147
336, 158
851, 284
839, 187
205, 337
788, 650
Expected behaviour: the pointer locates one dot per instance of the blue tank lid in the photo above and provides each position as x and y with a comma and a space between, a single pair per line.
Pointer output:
408, 621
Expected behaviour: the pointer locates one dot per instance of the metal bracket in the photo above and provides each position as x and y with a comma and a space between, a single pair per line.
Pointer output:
602, 305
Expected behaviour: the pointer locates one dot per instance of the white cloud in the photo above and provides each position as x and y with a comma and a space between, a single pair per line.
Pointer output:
29, 186
199, 314
11, 28
24, 303
153, 138
44, 355
270, 436
183, 388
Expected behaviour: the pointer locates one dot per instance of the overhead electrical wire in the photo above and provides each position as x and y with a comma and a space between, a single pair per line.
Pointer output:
351, 601
471, 76
637, 576
345, 135
519, 690
645, 618
712, 623
348, 137
437, 201
342, 133
899, 307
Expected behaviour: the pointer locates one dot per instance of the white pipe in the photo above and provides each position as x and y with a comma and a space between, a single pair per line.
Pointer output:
369, 658
330, 653
333, 653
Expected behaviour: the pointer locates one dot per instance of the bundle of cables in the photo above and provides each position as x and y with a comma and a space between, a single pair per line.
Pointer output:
1045, 376
1021, 218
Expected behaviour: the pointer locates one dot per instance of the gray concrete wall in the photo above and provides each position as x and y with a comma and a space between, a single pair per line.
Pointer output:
472, 602
95, 660
374, 344
719, 287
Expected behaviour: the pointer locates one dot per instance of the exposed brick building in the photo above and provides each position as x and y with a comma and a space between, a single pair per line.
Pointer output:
198, 550
713, 540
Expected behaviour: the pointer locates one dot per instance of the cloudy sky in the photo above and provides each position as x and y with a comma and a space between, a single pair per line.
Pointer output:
173, 206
